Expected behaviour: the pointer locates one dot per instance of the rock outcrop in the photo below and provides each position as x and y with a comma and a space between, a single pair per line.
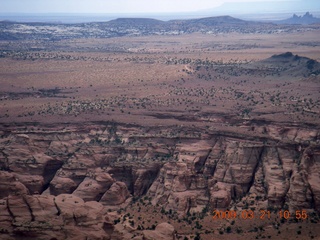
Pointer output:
50, 217
164, 231
92, 189
9, 185
116, 194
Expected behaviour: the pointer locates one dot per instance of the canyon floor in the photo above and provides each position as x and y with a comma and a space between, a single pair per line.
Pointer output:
188, 136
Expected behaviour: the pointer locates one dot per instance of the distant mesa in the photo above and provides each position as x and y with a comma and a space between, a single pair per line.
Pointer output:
198, 22
288, 56
135, 21
217, 20
306, 19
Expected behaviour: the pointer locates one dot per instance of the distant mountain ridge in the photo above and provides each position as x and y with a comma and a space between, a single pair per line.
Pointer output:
263, 7
135, 21
134, 27
306, 19
208, 21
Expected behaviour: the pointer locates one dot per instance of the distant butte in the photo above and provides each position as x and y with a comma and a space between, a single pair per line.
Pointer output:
306, 19
294, 64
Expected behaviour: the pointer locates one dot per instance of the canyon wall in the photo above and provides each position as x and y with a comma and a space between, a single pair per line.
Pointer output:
57, 169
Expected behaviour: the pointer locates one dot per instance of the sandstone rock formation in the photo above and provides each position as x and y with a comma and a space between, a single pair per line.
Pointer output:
49, 217
10, 185
116, 195
81, 172
93, 189
164, 231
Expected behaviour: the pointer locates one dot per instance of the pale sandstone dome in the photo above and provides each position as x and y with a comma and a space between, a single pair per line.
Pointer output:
163, 231
117, 194
67, 217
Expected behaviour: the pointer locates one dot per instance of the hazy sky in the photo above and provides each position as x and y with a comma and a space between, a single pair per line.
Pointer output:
110, 6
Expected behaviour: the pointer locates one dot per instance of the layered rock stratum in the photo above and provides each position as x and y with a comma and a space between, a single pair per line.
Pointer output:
61, 181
